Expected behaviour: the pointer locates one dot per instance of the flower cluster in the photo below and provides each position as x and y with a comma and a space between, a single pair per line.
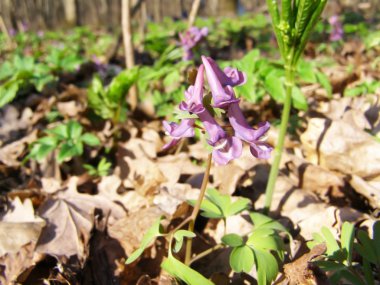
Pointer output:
190, 38
336, 28
225, 146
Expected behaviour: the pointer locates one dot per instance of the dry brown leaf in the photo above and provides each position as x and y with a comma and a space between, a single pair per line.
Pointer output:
303, 272
12, 121
173, 166
19, 232
130, 230
227, 177
131, 200
19, 226
70, 219
340, 146
170, 197
144, 175
10, 153
364, 188
70, 108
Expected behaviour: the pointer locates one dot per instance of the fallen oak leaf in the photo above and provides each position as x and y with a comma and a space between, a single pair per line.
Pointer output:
19, 232
70, 219
303, 272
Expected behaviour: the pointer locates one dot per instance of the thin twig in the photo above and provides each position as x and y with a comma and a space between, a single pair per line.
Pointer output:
205, 253
193, 13
197, 207
128, 47
4, 29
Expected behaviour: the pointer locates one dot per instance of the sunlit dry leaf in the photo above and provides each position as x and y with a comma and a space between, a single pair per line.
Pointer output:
227, 177
12, 121
130, 230
70, 108
170, 197
340, 146
70, 218
303, 272
364, 188
131, 200
173, 166
10, 153
19, 232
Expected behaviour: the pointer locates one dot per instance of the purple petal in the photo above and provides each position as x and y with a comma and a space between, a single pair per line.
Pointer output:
235, 76
261, 150
230, 148
222, 97
194, 95
170, 144
182, 130
242, 129
215, 132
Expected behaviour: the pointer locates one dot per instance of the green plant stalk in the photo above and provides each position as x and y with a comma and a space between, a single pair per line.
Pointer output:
289, 84
196, 209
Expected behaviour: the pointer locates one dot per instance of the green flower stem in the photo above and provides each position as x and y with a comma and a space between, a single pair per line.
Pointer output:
196, 209
289, 84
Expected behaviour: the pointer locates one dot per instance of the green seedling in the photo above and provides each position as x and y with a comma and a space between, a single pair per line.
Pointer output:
68, 139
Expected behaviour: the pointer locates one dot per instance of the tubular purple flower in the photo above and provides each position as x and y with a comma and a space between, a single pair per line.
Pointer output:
222, 96
225, 147
178, 131
194, 95
254, 137
190, 38
230, 76
336, 28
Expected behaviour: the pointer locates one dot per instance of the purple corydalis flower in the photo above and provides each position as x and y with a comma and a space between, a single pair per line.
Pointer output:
178, 131
190, 39
254, 137
336, 28
222, 96
230, 76
225, 148
194, 95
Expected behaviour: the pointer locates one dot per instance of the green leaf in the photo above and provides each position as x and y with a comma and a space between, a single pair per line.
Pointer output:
90, 139
298, 99
274, 85
181, 271
325, 82
238, 206
153, 232
67, 150
8, 92
347, 240
179, 235
222, 201
209, 209
74, 130
242, 259
232, 240
264, 239
267, 267
332, 245
60, 131
366, 248
262, 221
120, 85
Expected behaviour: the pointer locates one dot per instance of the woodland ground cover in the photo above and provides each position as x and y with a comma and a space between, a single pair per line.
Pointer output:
86, 183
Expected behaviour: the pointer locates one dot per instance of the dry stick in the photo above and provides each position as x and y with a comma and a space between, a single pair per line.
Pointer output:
196, 209
193, 13
4, 29
128, 47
